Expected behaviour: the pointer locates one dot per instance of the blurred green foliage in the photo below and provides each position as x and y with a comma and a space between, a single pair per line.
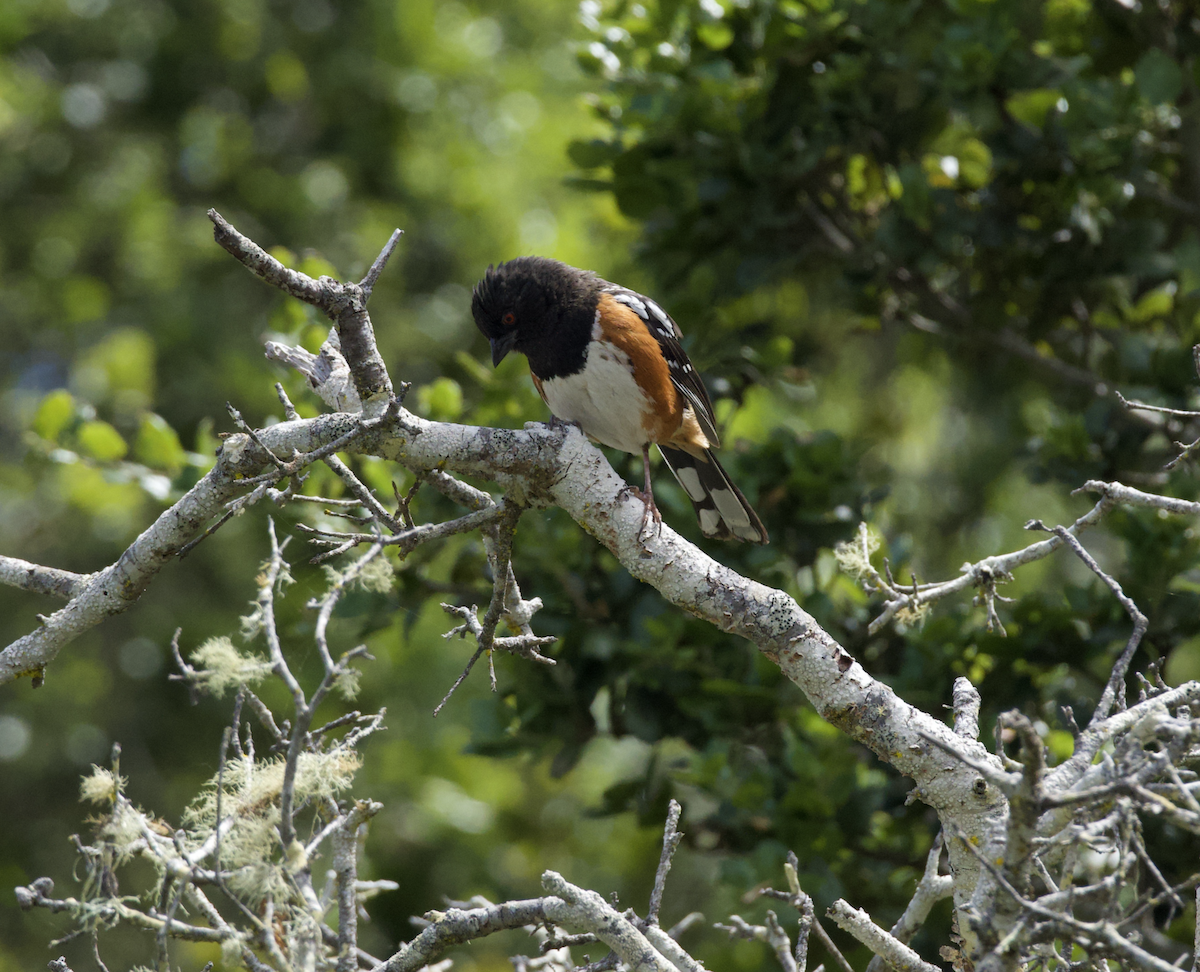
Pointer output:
914, 245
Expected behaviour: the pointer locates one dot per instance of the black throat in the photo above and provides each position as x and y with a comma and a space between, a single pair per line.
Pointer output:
561, 349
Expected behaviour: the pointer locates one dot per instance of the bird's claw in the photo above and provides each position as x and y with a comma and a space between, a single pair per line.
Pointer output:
557, 423
650, 514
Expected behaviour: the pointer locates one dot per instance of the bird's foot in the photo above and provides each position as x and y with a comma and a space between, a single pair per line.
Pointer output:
650, 515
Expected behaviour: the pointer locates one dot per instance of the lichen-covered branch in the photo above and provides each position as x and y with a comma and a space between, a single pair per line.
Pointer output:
893, 951
238, 839
40, 580
116, 588
1029, 818
345, 304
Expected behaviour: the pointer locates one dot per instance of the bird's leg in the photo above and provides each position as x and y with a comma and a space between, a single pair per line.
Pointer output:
651, 509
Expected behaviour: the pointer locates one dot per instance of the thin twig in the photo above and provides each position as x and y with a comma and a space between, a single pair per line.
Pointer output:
1142, 406
368, 282
671, 839
461, 678
1114, 691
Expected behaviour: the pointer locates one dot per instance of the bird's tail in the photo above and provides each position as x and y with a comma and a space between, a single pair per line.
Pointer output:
720, 506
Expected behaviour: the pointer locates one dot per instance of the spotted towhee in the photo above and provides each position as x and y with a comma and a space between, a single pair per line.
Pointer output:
612, 361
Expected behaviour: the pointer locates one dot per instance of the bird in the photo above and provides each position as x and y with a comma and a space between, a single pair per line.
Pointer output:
612, 361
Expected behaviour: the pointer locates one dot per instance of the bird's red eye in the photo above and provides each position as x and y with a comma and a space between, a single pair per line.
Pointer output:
509, 319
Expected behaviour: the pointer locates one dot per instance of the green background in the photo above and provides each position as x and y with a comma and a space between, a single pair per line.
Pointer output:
913, 245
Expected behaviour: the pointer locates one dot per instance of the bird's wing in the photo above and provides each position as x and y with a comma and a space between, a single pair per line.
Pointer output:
683, 375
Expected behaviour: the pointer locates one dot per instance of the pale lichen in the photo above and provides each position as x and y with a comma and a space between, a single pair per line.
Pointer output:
854, 556
220, 666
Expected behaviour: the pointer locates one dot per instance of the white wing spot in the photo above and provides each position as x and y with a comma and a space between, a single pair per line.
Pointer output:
731, 509
710, 521
690, 481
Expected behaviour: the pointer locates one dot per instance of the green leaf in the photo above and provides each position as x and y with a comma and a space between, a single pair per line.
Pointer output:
442, 400
958, 157
122, 362
85, 299
1183, 664
1154, 304
54, 414
1031, 107
593, 153
157, 445
715, 36
1158, 77
101, 441
1187, 263
638, 197
1061, 744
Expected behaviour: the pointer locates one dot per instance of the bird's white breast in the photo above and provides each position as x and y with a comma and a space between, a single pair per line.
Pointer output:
603, 398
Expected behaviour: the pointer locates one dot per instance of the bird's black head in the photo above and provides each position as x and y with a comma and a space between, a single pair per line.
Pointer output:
534, 304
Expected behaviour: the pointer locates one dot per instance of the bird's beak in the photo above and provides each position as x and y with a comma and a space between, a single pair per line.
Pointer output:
501, 346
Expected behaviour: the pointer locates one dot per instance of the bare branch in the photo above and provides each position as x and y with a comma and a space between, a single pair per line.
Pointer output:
966, 708
327, 372
456, 926
771, 933
41, 580
345, 865
409, 539
368, 282
1004, 782
345, 304
36, 895
506, 602
1142, 406
806, 922
671, 839
684, 923
894, 952
1196, 937
803, 904
669, 948
300, 740
1120, 493
983, 574
118, 586
932, 888
1114, 691
1100, 934
1069, 772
